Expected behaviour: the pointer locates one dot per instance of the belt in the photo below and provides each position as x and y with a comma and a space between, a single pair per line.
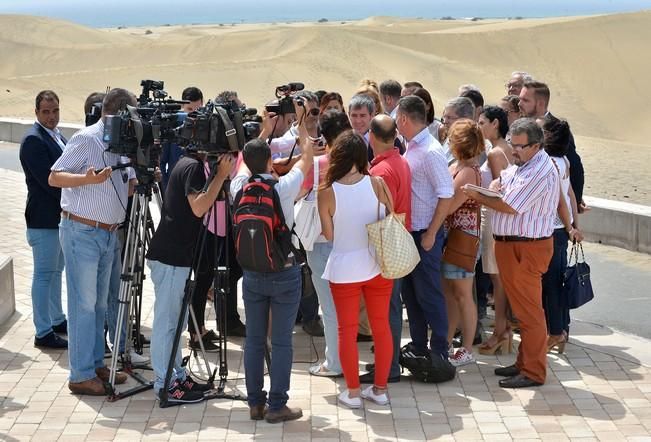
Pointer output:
89, 222
508, 238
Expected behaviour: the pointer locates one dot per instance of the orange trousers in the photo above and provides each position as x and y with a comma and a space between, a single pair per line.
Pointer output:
522, 264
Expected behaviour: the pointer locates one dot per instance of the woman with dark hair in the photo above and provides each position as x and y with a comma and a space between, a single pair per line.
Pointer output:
349, 200
466, 144
511, 104
494, 125
331, 100
433, 124
557, 313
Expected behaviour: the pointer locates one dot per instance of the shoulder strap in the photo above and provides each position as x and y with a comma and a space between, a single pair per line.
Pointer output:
315, 185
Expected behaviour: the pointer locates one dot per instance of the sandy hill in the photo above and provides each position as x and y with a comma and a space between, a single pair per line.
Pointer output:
596, 66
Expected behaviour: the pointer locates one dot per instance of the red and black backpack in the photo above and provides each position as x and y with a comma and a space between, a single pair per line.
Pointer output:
263, 241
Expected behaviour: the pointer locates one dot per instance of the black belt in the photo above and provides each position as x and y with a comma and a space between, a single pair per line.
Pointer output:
508, 238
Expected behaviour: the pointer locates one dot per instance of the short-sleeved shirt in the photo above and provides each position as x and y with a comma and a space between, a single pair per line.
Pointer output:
532, 190
105, 202
175, 239
430, 178
288, 187
395, 172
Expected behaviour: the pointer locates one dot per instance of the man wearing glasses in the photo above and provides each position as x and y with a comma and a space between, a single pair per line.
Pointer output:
515, 83
455, 109
523, 223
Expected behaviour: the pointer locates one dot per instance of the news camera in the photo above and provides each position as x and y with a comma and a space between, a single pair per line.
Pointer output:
219, 127
285, 102
137, 132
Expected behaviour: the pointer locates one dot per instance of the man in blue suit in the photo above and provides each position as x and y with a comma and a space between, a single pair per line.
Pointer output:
40, 148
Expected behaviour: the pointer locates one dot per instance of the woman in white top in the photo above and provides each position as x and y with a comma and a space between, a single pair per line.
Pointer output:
557, 313
493, 122
348, 201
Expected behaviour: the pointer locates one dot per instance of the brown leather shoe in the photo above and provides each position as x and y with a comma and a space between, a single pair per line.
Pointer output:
92, 387
257, 412
104, 374
282, 415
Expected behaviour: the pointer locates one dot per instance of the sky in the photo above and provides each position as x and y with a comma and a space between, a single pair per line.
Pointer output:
157, 12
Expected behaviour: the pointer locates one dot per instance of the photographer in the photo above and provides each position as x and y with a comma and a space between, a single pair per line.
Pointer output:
276, 292
93, 202
170, 258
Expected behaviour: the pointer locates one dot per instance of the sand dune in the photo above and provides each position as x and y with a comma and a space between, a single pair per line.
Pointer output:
596, 66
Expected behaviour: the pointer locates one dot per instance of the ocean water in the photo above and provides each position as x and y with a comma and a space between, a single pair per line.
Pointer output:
113, 13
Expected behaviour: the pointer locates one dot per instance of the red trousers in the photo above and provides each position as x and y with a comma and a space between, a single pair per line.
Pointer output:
522, 265
377, 295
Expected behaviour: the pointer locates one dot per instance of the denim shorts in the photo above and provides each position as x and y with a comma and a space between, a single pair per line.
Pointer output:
451, 271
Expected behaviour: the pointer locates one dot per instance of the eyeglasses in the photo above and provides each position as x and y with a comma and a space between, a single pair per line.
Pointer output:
520, 146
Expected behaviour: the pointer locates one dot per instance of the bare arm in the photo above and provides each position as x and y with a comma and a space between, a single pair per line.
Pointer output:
201, 202
465, 176
497, 163
326, 205
382, 193
496, 204
67, 179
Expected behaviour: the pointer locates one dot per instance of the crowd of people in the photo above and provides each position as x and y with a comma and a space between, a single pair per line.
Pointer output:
490, 195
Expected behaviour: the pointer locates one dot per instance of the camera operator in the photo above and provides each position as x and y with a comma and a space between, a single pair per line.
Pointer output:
170, 257
307, 115
93, 203
172, 151
278, 293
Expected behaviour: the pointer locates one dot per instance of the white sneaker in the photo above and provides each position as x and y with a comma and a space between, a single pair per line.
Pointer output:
350, 402
369, 395
137, 359
462, 357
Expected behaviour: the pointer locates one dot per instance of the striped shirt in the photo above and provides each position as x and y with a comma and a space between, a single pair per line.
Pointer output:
430, 178
531, 190
105, 202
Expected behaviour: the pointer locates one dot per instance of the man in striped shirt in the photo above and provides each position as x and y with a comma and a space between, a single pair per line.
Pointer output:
523, 222
93, 203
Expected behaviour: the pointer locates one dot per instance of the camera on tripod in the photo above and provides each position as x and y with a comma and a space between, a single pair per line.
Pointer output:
137, 132
285, 102
219, 127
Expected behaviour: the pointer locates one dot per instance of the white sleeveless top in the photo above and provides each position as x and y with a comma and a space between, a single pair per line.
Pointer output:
563, 169
352, 258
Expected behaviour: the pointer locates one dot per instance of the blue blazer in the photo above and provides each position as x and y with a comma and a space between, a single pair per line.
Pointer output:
38, 152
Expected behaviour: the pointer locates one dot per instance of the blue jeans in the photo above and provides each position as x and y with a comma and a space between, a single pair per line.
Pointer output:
556, 311
423, 296
395, 322
317, 259
114, 296
88, 253
46, 281
280, 294
169, 286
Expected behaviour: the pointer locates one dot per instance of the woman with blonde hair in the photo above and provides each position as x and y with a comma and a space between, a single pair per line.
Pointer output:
466, 144
373, 93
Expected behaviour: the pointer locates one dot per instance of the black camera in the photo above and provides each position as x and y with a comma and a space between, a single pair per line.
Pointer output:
137, 132
285, 102
221, 127
94, 114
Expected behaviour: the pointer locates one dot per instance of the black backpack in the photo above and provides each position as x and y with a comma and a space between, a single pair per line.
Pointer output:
424, 367
262, 239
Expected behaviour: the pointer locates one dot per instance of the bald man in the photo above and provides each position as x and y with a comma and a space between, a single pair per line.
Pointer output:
394, 169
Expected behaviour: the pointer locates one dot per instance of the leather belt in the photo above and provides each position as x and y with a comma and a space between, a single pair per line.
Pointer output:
508, 238
90, 222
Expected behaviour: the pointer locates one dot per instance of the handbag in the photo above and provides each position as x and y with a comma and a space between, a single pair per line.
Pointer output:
577, 287
300, 255
307, 223
461, 247
395, 250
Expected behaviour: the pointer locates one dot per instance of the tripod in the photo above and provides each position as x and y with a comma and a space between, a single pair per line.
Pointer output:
139, 232
221, 289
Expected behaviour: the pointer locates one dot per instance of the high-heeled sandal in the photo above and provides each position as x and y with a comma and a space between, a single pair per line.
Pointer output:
558, 342
503, 345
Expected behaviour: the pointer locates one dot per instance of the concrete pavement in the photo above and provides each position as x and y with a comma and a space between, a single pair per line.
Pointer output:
599, 390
